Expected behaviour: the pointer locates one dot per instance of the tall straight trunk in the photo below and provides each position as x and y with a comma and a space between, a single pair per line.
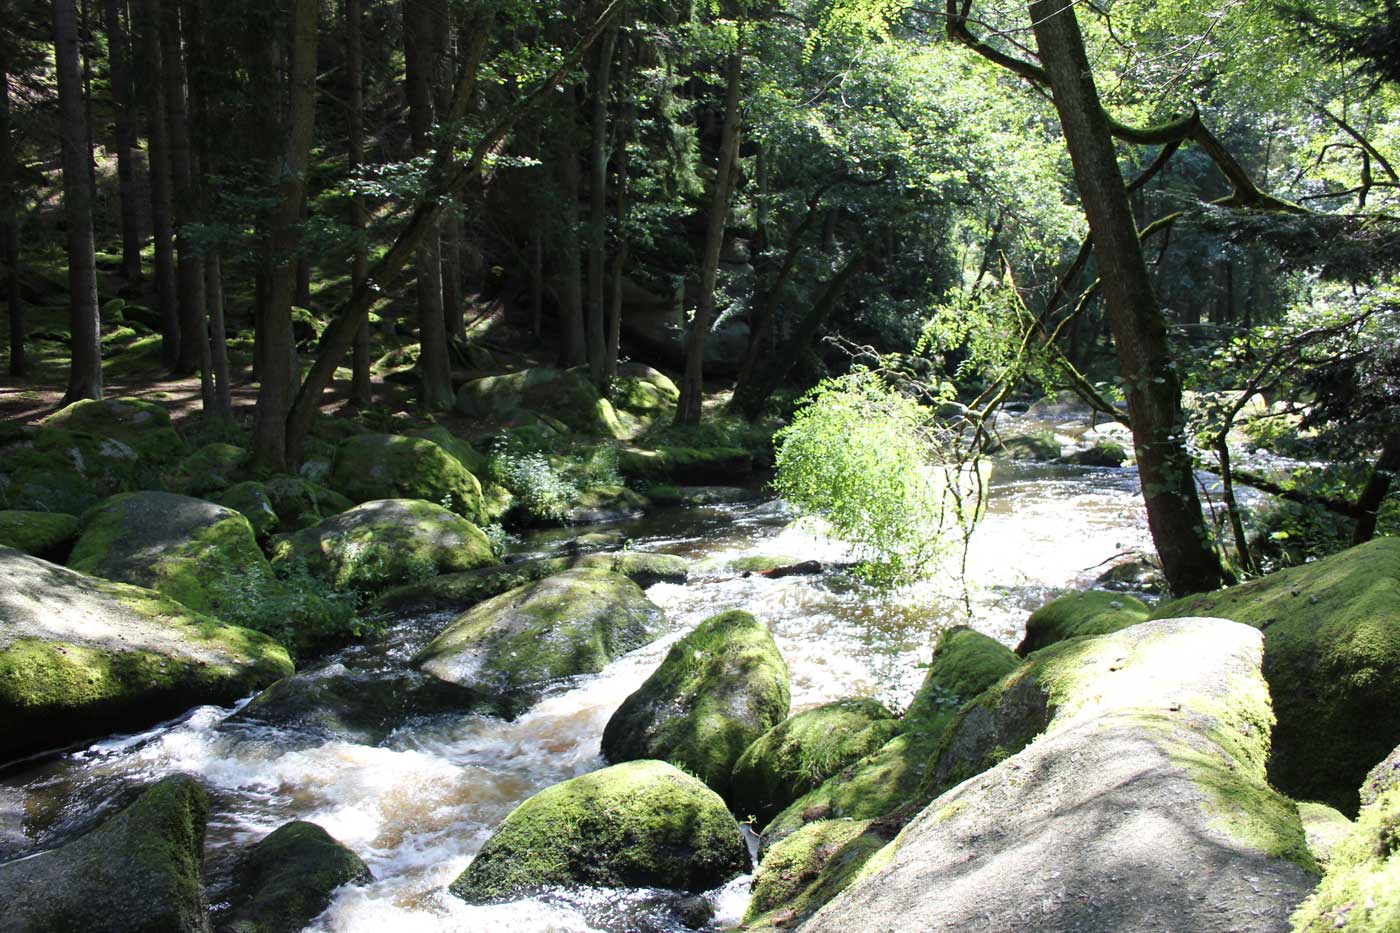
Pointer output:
624, 130
120, 76
573, 347
276, 388
85, 372
9, 222
189, 279
1377, 488
158, 167
693, 383
598, 211
222, 406
361, 391
537, 238
423, 22
1152, 382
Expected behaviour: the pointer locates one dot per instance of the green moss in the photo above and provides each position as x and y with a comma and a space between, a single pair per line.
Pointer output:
287, 879
686, 465
640, 824
58, 470
390, 466
209, 469
142, 426
472, 460
283, 503
43, 534
1040, 446
718, 689
1361, 889
1332, 661
1093, 612
250, 499
1324, 827
565, 395
645, 397
809, 868
800, 753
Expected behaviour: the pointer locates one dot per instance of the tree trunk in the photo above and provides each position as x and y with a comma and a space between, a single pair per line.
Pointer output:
221, 406
1151, 380
275, 390
194, 335
85, 372
9, 222
573, 349
1382, 476
693, 383
598, 212
361, 390
120, 76
624, 131
158, 167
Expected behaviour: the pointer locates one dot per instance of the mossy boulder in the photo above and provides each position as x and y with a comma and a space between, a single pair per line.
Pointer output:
250, 499
386, 542
685, 465
809, 868
81, 656
139, 871
565, 395
801, 752
1041, 446
42, 534
210, 469
645, 396
693, 496
181, 547
286, 880
1114, 783
606, 504
718, 689
58, 470
283, 503
512, 647
1383, 777
1092, 612
1104, 452
965, 663
391, 466
464, 453
144, 427
1361, 890
1332, 660
640, 824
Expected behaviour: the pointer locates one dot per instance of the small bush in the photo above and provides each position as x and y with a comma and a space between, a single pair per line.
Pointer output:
290, 604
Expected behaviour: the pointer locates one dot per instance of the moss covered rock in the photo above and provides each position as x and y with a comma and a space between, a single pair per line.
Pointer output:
1325, 827
283, 503
1117, 783
605, 504
686, 465
809, 868
58, 470
510, 648
801, 752
464, 453
1093, 612
1361, 890
1040, 446
43, 534
1332, 660
565, 395
390, 541
1104, 452
209, 469
141, 870
965, 663
640, 824
1383, 777
718, 689
391, 466
80, 656
181, 547
144, 427
284, 881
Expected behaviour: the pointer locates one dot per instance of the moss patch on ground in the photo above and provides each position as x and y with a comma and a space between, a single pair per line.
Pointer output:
1093, 612
42, 534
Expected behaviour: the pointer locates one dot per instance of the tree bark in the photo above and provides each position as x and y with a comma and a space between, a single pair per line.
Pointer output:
158, 167
423, 20
573, 349
624, 131
194, 336
9, 222
1151, 381
221, 406
693, 382
598, 211
85, 371
289, 172
361, 389
120, 76
1377, 488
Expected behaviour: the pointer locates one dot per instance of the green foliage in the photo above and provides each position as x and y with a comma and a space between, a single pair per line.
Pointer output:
291, 604
980, 335
537, 486
861, 456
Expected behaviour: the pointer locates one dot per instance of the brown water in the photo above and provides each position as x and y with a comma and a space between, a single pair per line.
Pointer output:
418, 805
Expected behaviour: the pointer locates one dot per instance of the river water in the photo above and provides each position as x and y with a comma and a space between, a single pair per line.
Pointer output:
419, 804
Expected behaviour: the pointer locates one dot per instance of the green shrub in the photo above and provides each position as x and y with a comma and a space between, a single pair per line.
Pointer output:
297, 608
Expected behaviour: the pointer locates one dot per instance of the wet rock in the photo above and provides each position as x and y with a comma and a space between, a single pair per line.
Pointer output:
286, 880
390, 466
566, 395
606, 504
692, 496
965, 664
800, 753
511, 647
81, 656
138, 871
1116, 783
1135, 573
1332, 660
179, 546
718, 689
43, 534
639, 824
1093, 612
686, 465
209, 469
378, 544
809, 868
